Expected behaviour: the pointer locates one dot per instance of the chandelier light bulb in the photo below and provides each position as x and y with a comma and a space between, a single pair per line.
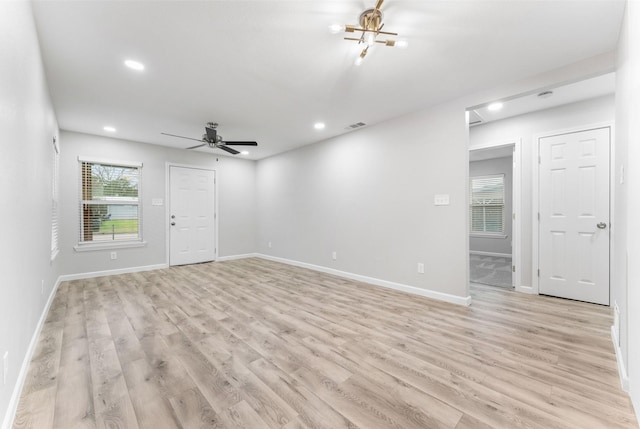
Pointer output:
370, 39
336, 28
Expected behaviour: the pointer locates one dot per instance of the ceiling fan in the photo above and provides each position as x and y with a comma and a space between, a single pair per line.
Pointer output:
214, 140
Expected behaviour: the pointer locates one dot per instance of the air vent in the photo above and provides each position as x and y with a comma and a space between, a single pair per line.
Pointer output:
354, 126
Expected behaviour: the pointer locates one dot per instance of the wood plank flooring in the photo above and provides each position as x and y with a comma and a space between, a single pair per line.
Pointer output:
257, 344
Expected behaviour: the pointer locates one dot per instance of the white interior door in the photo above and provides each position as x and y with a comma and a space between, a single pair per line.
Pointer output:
192, 215
574, 216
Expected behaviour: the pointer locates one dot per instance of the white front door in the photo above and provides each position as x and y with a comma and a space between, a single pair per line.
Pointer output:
192, 215
574, 216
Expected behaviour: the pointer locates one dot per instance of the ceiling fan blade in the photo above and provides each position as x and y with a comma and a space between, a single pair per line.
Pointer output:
241, 143
181, 137
228, 149
212, 134
197, 146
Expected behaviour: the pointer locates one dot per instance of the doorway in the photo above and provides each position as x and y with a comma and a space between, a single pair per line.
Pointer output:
192, 215
494, 172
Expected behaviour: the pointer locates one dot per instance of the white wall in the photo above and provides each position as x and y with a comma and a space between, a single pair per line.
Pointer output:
27, 126
626, 285
527, 127
368, 195
235, 179
488, 167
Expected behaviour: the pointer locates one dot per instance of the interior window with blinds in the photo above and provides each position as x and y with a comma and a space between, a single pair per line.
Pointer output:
110, 202
487, 205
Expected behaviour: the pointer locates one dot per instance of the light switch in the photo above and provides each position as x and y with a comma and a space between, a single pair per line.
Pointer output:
441, 200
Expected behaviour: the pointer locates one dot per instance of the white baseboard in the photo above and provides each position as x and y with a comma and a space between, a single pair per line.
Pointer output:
377, 282
497, 255
234, 257
93, 274
622, 371
10, 415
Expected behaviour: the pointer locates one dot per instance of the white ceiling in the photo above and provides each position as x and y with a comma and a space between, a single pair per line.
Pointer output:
267, 70
566, 94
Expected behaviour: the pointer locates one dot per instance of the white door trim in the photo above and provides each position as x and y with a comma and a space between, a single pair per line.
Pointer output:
517, 206
535, 196
167, 205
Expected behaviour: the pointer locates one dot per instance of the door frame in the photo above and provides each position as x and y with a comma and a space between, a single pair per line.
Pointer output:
167, 208
516, 254
535, 197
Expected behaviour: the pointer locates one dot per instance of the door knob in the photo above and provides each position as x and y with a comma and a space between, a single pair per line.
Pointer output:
601, 225
173, 223
173, 216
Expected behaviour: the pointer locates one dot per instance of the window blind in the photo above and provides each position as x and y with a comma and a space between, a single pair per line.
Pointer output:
109, 202
55, 171
487, 204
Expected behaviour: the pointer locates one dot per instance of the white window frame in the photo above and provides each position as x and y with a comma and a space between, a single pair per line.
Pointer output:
55, 198
487, 234
100, 245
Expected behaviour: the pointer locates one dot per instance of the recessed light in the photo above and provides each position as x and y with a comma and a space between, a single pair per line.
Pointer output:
135, 65
109, 128
319, 125
244, 152
494, 106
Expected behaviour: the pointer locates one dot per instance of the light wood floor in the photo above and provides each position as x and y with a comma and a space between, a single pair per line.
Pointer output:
253, 344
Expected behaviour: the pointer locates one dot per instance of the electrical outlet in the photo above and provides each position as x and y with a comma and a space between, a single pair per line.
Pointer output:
269, 245
114, 255
420, 268
334, 255
5, 367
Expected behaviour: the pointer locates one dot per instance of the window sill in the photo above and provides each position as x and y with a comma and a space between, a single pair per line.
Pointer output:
476, 235
88, 247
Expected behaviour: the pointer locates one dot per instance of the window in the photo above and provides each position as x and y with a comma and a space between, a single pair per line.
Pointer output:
487, 205
109, 203
55, 173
